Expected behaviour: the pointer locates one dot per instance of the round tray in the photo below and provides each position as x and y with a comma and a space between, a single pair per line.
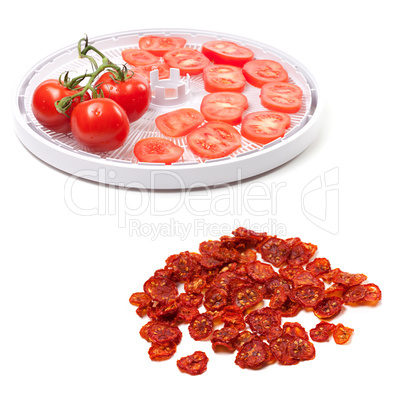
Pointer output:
120, 167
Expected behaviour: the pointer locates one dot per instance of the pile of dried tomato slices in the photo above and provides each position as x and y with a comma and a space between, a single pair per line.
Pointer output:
244, 300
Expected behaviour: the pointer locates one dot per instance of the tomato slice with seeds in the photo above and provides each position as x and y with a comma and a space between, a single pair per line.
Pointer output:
225, 52
264, 127
194, 364
255, 354
187, 60
223, 78
373, 292
280, 348
201, 326
260, 271
342, 334
179, 122
246, 296
161, 289
157, 150
214, 140
308, 296
138, 57
215, 299
159, 45
281, 97
159, 352
274, 251
328, 307
302, 349
260, 72
224, 106
164, 334
354, 294
318, 266
322, 331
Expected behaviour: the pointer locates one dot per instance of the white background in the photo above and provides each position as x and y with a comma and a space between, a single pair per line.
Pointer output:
67, 331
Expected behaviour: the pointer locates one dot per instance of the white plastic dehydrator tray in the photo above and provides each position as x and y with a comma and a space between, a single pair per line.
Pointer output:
120, 167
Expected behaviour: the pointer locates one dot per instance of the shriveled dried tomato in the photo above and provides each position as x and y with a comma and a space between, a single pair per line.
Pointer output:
274, 250
279, 298
224, 337
190, 299
300, 253
186, 314
255, 354
140, 299
373, 292
251, 236
201, 326
281, 347
259, 271
322, 331
246, 296
195, 285
159, 352
304, 278
290, 308
289, 271
302, 349
161, 289
193, 364
354, 294
295, 329
342, 334
319, 266
308, 296
328, 307
164, 334
260, 320
215, 299
349, 280
182, 265
233, 316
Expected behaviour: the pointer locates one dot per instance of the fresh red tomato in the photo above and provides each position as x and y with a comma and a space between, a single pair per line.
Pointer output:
138, 57
145, 71
281, 97
133, 94
214, 140
179, 122
188, 61
43, 105
157, 150
224, 106
159, 45
259, 72
222, 78
264, 127
224, 52
100, 124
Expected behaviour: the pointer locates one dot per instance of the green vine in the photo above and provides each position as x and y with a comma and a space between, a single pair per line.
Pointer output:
117, 74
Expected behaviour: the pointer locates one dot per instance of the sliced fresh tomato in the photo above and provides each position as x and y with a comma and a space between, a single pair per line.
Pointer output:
179, 122
145, 71
224, 52
222, 78
259, 72
188, 61
159, 45
157, 150
264, 127
214, 140
224, 106
138, 57
281, 97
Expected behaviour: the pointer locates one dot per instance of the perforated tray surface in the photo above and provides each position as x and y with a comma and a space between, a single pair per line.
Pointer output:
120, 167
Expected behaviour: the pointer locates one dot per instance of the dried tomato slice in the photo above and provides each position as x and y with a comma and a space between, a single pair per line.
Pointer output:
260, 320
201, 326
300, 253
195, 285
279, 298
342, 334
140, 299
233, 316
290, 308
246, 296
224, 337
190, 299
295, 329
251, 236
280, 348
159, 352
304, 278
186, 314
373, 292
274, 250
319, 266
354, 294
288, 272
328, 307
182, 265
308, 296
255, 354
302, 349
164, 334
242, 338
275, 282
259, 271
215, 299
193, 364
161, 289
344, 278
322, 331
